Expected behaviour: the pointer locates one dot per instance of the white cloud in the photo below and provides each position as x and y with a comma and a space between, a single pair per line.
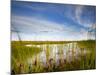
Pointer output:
78, 12
33, 25
76, 15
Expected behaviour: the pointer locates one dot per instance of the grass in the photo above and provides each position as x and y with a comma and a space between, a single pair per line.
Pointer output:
20, 53
89, 61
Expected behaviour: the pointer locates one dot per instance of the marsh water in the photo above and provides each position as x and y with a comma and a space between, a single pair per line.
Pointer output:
56, 52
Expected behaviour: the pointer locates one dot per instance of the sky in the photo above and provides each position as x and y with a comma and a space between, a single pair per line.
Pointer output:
38, 21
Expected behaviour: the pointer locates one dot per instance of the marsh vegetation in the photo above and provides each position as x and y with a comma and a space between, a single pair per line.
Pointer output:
52, 56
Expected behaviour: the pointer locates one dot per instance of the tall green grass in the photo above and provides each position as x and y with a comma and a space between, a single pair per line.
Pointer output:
20, 53
89, 60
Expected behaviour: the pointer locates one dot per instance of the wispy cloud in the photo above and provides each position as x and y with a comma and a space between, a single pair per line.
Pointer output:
78, 12
33, 25
81, 12
82, 15
29, 25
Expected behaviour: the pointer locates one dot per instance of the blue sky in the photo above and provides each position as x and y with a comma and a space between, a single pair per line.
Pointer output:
50, 21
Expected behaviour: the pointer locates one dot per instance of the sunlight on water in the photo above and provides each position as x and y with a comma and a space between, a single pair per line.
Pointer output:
30, 45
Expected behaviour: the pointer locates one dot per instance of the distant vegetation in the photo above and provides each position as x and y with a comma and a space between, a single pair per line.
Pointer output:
50, 42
